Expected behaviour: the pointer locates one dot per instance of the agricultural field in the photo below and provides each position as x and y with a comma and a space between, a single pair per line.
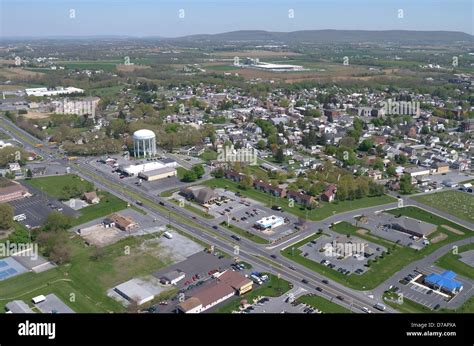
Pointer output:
456, 203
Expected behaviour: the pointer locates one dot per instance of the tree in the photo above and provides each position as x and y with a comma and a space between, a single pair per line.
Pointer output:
189, 177
57, 221
246, 182
198, 170
6, 216
218, 173
391, 170
279, 156
405, 184
366, 145
29, 174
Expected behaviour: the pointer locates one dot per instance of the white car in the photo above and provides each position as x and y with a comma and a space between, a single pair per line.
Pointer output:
366, 310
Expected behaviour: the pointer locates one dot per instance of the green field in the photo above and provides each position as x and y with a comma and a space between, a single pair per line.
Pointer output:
246, 234
274, 287
456, 203
327, 209
53, 186
394, 260
86, 278
451, 261
106, 65
322, 304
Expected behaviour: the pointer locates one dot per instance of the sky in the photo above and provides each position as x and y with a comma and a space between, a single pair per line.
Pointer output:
174, 18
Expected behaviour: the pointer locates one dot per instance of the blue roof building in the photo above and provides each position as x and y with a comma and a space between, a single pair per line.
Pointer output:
444, 281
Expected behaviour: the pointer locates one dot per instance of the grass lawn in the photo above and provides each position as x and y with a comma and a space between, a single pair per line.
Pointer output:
322, 304
456, 203
274, 287
326, 210
451, 261
53, 186
249, 235
381, 269
86, 278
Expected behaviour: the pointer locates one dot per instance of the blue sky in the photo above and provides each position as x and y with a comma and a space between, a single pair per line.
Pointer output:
162, 17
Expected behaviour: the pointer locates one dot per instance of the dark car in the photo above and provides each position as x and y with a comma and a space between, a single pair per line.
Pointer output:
305, 281
319, 289
325, 282
340, 298
215, 227
273, 256
436, 307
235, 237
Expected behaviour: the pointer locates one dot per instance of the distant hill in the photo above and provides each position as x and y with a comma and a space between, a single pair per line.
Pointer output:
334, 36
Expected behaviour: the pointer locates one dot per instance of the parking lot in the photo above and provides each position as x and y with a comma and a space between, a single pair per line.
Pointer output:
244, 212
197, 269
414, 289
53, 304
37, 208
352, 261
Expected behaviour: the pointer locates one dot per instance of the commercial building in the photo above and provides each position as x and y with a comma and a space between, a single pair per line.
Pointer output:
411, 226
172, 278
18, 307
121, 222
226, 285
158, 174
132, 291
11, 190
202, 195
52, 91
444, 282
144, 143
146, 167
270, 222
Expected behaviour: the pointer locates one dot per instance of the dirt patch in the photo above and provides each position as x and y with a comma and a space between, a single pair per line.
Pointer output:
131, 68
452, 229
439, 237
18, 73
36, 115
362, 231
100, 236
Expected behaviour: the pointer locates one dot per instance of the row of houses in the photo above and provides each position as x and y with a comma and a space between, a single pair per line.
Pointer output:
299, 197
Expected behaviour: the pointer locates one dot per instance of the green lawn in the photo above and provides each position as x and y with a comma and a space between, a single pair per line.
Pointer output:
53, 186
208, 155
397, 257
456, 203
322, 304
326, 210
451, 261
249, 235
88, 279
274, 287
